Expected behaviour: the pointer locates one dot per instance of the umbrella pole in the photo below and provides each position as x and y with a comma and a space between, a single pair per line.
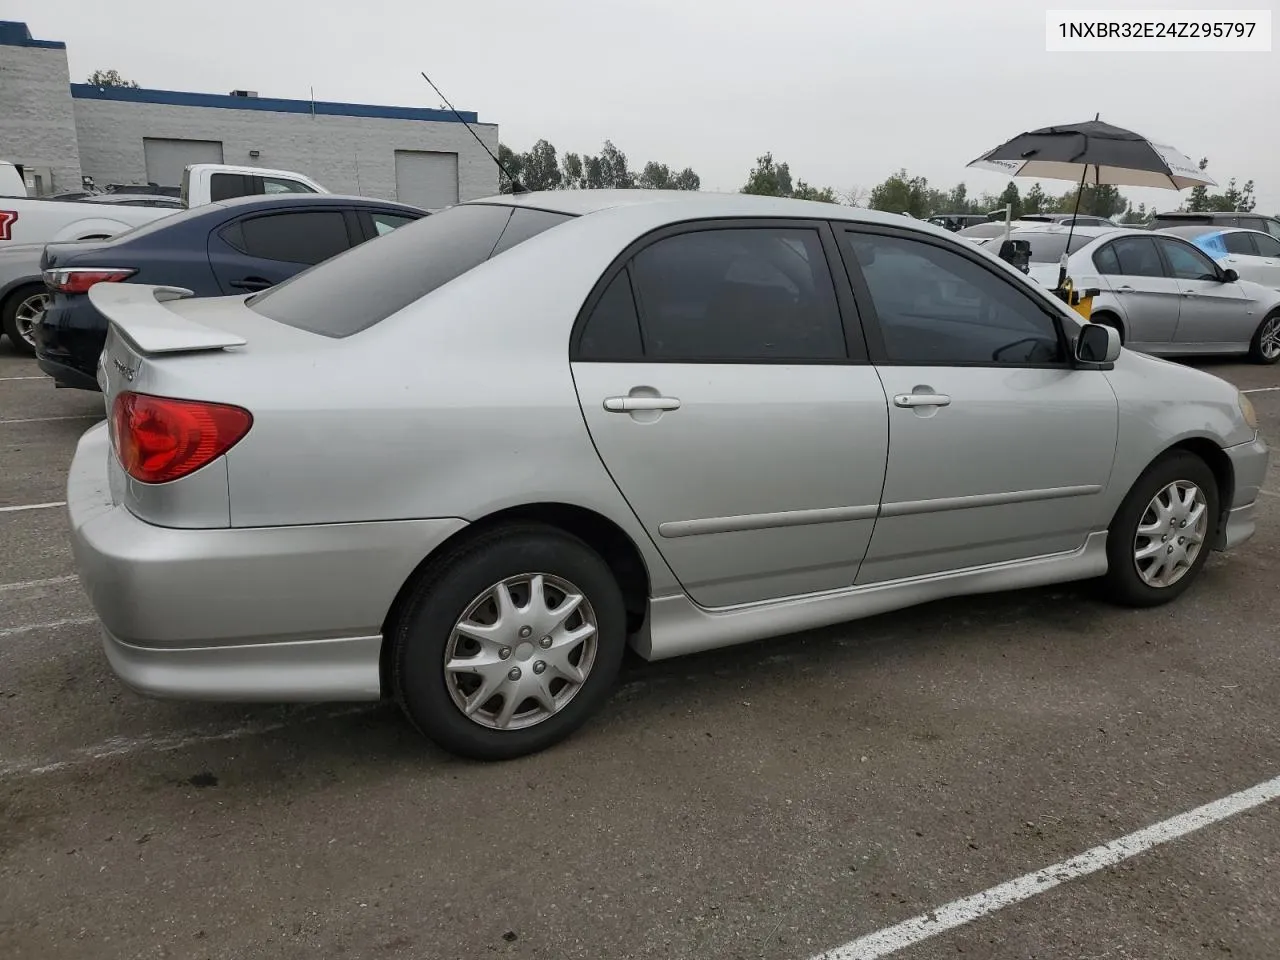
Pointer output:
1062, 264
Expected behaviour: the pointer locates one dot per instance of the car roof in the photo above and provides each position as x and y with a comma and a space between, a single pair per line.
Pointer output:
268, 202
1084, 230
1211, 215
1200, 230
690, 204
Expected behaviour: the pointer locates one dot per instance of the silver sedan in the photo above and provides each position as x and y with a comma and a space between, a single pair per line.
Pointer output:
1162, 292
466, 465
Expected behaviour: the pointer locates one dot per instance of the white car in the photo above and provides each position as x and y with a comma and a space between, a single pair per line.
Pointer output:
33, 220
1251, 253
1164, 294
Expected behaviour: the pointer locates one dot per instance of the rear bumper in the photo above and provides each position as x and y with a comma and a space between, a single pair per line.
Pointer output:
263, 613
65, 375
1249, 465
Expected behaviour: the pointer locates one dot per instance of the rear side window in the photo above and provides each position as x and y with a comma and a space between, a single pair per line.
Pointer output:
372, 281
1267, 246
613, 329
1238, 243
308, 237
228, 186
1130, 257
277, 185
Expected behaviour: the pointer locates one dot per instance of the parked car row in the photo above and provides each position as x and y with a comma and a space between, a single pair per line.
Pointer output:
427, 468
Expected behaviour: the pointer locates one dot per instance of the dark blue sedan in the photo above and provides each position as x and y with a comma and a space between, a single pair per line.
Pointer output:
228, 248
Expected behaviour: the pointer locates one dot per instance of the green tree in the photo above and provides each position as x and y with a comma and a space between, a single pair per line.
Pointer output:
510, 162
109, 78
1198, 200
1137, 216
957, 200
686, 179
901, 193
1035, 201
655, 176
613, 168
769, 179
573, 177
1012, 198
540, 169
805, 192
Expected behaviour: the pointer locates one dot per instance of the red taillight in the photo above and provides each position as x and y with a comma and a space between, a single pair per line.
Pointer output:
74, 280
159, 439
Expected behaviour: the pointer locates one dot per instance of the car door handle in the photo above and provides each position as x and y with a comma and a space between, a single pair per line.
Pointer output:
1189, 293
251, 283
921, 400
1125, 289
632, 404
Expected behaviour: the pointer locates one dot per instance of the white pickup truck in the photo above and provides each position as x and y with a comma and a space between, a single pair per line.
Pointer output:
32, 220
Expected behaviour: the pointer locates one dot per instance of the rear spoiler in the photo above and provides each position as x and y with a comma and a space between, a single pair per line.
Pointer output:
138, 313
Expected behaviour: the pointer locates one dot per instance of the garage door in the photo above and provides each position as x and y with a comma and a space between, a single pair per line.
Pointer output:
426, 179
166, 159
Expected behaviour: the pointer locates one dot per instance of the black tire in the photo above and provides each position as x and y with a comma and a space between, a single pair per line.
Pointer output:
1123, 582
1109, 320
9, 316
1268, 328
444, 592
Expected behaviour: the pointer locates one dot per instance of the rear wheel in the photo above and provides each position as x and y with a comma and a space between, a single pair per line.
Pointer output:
21, 312
1265, 347
509, 643
1159, 539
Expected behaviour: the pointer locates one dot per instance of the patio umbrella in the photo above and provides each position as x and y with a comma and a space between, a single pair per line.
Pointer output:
1093, 152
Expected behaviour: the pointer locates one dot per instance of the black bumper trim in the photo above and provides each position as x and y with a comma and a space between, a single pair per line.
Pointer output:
67, 376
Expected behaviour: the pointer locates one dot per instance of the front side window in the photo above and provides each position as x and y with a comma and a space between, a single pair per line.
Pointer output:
1130, 257
1241, 244
1267, 246
936, 306
278, 185
228, 186
384, 223
738, 295
1186, 262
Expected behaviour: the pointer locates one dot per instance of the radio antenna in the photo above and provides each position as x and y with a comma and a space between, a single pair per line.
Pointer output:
516, 186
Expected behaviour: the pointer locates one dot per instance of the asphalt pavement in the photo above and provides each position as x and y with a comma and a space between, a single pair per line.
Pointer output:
771, 801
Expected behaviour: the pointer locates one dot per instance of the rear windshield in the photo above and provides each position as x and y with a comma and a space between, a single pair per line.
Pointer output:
370, 282
1045, 247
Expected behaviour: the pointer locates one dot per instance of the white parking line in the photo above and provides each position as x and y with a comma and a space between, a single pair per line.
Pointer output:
49, 625
1261, 390
83, 416
6, 379
33, 584
33, 506
1270, 493
959, 912
163, 743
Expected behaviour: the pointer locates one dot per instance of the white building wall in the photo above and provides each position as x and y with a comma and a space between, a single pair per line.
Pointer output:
37, 128
351, 155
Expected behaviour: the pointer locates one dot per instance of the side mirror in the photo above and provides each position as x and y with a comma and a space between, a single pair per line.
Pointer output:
1017, 253
1229, 276
1098, 343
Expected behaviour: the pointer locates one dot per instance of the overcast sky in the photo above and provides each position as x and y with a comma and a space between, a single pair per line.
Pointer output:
845, 91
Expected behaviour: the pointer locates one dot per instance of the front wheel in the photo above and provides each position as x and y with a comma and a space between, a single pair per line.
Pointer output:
22, 311
1159, 540
509, 643
1265, 346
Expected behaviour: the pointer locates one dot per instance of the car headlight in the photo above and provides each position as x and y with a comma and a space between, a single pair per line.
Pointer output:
1246, 410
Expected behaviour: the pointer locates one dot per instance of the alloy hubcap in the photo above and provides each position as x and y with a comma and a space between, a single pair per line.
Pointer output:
28, 315
1171, 534
1270, 339
521, 651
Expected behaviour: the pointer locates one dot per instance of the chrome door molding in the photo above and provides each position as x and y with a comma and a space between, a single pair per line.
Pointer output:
906, 508
765, 521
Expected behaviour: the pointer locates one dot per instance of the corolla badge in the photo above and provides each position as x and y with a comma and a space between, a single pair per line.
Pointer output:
126, 371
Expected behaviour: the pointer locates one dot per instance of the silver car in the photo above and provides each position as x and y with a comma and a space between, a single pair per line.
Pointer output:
465, 466
1162, 292
1252, 254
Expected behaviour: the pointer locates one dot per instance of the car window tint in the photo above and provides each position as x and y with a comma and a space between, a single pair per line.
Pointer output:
612, 332
1273, 227
1186, 262
1267, 246
525, 223
936, 306
1137, 257
1251, 223
309, 237
372, 281
277, 185
228, 186
1238, 243
1106, 261
386, 222
738, 295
